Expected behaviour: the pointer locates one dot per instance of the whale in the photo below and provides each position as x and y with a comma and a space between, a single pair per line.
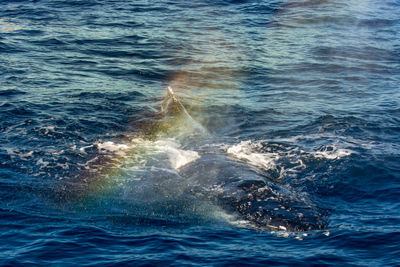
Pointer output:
173, 169
240, 189
235, 186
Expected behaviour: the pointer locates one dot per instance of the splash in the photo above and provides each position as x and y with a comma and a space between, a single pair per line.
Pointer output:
139, 175
156, 176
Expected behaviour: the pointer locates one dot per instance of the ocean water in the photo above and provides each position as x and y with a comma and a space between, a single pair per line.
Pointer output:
99, 165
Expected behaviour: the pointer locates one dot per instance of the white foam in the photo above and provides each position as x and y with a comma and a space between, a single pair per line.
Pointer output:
285, 160
138, 151
83, 149
112, 147
340, 147
177, 157
335, 153
248, 150
245, 150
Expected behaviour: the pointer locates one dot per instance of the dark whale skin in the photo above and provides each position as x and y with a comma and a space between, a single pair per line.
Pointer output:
242, 190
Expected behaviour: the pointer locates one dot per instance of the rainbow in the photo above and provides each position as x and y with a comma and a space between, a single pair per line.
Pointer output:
159, 177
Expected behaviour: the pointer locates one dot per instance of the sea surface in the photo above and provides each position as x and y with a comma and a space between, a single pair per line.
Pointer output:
95, 168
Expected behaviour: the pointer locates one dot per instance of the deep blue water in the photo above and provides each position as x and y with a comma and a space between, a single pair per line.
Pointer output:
305, 93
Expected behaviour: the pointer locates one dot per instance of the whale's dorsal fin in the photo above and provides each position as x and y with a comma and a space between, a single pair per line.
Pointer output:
170, 93
166, 103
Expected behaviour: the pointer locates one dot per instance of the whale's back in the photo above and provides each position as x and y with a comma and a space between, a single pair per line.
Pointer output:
242, 190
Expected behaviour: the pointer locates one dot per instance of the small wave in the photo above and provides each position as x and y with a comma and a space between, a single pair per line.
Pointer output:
11, 92
6, 26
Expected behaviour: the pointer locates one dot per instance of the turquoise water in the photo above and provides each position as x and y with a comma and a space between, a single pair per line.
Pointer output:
299, 97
